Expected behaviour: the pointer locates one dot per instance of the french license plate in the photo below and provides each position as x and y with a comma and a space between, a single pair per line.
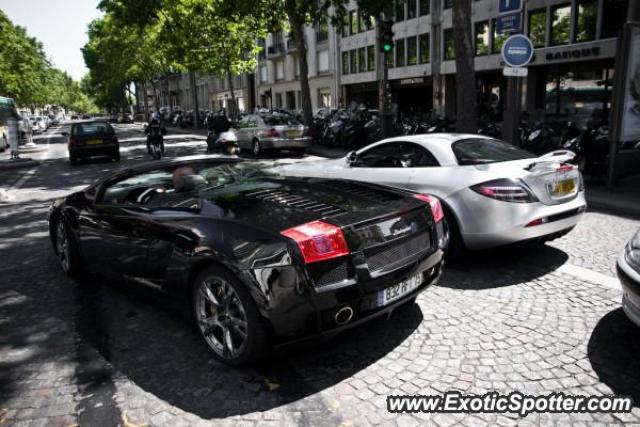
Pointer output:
292, 134
394, 292
94, 141
564, 187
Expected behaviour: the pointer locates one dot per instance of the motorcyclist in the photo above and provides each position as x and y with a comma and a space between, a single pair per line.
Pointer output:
155, 131
217, 125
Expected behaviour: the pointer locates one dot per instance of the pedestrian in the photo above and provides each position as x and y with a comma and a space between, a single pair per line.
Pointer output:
28, 130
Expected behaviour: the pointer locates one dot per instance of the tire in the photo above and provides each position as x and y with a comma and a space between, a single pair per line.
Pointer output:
256, 149
456, 246
66, 249
227, 318
73, 160
116, 157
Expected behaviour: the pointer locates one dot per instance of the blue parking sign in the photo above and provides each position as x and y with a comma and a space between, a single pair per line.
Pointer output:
517, 51
509, 6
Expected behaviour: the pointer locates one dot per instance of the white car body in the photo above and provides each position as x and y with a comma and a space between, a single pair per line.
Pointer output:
482, 221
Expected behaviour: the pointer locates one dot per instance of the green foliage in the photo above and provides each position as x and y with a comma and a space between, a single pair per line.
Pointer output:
27, 76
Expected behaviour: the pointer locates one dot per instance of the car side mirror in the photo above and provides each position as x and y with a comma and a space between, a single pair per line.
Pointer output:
352, 158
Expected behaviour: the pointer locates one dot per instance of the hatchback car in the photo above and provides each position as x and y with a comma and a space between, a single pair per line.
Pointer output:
92, 138
272, 131
258, 257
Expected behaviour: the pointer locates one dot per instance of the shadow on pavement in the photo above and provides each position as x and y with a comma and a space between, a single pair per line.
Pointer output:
504, 266
613, 351
151, 340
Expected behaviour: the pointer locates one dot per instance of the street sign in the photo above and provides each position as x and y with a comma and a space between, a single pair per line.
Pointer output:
515, 71
509, 6
507, 24
517, 51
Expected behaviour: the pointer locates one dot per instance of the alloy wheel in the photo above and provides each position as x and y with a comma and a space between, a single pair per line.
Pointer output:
256, 148
62, 246
221, 317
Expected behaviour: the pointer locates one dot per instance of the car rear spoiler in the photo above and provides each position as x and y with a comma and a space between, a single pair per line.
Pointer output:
557, 156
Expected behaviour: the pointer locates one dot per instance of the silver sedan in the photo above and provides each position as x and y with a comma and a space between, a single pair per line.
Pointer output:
272, 131
493, 193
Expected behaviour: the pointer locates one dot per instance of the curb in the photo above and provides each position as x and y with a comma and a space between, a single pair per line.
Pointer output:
17, 164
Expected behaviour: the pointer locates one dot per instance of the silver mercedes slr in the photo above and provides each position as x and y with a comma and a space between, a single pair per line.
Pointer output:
493, 193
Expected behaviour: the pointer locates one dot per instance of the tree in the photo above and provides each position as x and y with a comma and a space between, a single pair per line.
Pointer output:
466, 101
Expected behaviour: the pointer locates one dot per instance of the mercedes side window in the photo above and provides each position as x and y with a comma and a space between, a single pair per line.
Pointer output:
383, 156
422, 157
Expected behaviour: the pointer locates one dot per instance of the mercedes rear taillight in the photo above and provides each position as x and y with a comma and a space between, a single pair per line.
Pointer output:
434, 204
272, 133
318, 241
505, 190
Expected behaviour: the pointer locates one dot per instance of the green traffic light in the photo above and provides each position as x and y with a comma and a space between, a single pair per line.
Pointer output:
386, 47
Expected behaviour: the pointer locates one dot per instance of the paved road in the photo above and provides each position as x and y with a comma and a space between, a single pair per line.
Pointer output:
534, 319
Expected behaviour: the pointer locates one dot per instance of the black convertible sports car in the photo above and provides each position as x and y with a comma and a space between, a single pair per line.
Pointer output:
262, 259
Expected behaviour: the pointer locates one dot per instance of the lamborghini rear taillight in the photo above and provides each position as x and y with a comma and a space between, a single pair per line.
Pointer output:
434, 204
318, 241
505, 190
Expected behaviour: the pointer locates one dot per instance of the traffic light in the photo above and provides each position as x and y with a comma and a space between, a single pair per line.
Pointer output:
386, 36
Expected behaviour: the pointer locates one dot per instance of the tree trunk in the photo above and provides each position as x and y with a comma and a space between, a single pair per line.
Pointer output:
146, 102
466, 111
156, 101
233, 110
297, 31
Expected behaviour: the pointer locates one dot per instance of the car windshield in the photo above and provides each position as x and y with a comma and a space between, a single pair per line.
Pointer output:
280, 120
477, 151
91, 128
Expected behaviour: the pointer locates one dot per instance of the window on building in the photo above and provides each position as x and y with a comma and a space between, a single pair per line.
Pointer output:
586, 19
263, 73
279, 100
538, 27
425, 7
399, 10
324, 97
449, 46
353, 22
345, 26
322, 31
412, 9
345, 62
362, 60
371, 58
371, 22
412, 50
447, 4
560, 24
482, 38
353, 59
262, 43
577, 94
400, 53
614, 15
497, 39
323, 61
362, 21
280, 70
425, 48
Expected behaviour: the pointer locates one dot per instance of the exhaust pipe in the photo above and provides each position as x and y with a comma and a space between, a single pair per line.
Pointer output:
343, 316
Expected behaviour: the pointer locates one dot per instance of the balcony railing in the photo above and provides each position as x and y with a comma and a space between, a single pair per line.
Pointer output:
276, 49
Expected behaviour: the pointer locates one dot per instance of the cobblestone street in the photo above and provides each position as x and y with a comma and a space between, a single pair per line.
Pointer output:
532, 318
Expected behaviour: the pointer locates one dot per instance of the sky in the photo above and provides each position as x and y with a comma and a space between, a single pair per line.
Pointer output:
61, 26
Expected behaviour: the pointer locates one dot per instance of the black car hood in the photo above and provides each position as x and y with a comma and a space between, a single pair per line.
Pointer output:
275, 204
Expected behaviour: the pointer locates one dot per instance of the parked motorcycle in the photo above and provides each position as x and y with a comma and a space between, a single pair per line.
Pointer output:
155, 139
491, 129
592, 148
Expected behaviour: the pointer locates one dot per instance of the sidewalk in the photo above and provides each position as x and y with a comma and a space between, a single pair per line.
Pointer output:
624, 199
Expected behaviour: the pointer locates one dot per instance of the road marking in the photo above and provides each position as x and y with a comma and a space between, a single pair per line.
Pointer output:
590, 276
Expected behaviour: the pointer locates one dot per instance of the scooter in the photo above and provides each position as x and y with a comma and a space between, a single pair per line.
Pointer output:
225, 143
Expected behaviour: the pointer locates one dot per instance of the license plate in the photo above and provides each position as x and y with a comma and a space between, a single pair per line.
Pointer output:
563, 187
94, 141
394, 292
292, 134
